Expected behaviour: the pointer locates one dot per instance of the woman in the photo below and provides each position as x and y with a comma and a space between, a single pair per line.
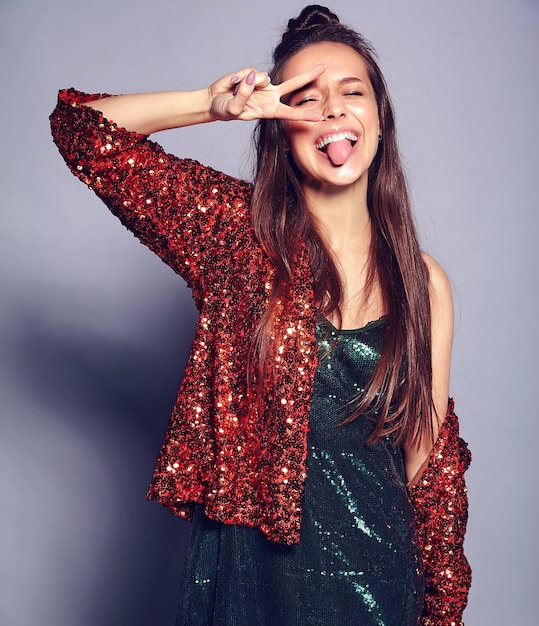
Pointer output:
319, 374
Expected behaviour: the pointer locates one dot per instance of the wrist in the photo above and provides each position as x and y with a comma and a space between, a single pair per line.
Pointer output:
198, 109
209, 105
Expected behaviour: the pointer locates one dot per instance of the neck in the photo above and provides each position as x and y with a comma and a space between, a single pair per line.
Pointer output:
343, 221
342, 216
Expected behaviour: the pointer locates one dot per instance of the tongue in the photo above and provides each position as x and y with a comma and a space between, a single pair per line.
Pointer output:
339, 151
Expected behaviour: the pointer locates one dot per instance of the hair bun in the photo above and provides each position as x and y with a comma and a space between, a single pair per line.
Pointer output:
312, 16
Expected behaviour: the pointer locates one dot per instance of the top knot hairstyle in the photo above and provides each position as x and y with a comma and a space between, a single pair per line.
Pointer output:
316, 24
312, 16
398, 398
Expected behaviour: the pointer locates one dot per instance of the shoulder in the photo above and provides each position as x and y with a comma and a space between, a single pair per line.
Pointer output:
441, 298
441, 310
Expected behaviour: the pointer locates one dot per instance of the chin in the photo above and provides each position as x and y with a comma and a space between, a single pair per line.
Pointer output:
342, 178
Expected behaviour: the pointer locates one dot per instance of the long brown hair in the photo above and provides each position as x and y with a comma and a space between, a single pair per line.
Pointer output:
398, 397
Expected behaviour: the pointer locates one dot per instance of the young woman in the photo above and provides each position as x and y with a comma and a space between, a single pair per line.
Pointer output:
311, 443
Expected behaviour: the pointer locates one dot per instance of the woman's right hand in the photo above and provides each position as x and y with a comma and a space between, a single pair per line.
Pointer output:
250, 95
245, 95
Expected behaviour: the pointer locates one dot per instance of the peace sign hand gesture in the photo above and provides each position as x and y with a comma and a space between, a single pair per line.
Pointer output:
250, 95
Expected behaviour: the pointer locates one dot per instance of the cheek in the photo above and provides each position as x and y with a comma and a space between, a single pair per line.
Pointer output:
296, 134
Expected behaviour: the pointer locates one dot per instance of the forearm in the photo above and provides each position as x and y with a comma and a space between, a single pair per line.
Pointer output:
154, 194
147, 113
245, 95
441, 511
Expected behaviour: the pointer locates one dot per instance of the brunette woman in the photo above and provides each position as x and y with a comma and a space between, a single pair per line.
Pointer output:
311, 443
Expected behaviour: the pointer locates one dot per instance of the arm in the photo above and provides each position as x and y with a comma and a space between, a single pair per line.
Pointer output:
147, 113
436, 474
441, 305
441, 513
245, 95
176, 207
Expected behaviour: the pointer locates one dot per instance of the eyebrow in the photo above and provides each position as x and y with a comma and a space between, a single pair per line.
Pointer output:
341, 81
352, 79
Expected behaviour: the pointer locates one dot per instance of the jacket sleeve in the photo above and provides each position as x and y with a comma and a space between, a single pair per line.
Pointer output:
441, 512
176, 207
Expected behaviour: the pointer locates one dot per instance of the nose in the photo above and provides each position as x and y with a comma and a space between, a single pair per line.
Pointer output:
333, 108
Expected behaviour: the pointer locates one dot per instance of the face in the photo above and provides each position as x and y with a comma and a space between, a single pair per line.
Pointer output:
339, 150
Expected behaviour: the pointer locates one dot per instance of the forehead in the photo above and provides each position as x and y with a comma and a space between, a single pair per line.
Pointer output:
339, 59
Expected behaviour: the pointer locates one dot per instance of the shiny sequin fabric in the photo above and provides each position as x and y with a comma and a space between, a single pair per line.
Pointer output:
441, 512
358, 561
242, 470
197, 221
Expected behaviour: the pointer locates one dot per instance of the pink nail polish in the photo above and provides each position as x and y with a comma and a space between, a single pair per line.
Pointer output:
250, 77
235, 79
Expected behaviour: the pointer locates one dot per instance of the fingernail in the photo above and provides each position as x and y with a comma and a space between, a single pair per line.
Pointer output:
250, 77
235, 79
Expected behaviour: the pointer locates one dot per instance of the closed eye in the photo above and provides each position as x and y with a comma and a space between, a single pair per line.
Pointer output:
304, 100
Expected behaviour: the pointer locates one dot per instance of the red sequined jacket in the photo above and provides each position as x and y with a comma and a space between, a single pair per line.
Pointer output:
197, 220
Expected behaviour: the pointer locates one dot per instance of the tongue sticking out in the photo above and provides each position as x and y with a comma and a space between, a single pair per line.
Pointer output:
339, 151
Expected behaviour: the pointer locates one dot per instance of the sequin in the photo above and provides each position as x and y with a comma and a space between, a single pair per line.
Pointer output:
200, 227
197, 221
358, 561
441, 512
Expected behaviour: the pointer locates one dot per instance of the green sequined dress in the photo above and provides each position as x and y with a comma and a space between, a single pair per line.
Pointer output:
358, 562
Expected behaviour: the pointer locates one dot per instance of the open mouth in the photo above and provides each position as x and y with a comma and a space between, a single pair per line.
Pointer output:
347, 135
338, 147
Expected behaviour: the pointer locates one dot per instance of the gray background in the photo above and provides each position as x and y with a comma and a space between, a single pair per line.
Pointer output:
95, 330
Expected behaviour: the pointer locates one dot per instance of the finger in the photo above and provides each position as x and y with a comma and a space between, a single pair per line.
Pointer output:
226, 84
242, 91
240, 75
285, 112
262, 80
296, 82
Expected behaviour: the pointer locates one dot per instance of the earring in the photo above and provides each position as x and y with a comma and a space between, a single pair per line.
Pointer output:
379, 137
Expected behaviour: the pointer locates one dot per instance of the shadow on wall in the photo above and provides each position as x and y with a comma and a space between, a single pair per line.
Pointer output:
88, 415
